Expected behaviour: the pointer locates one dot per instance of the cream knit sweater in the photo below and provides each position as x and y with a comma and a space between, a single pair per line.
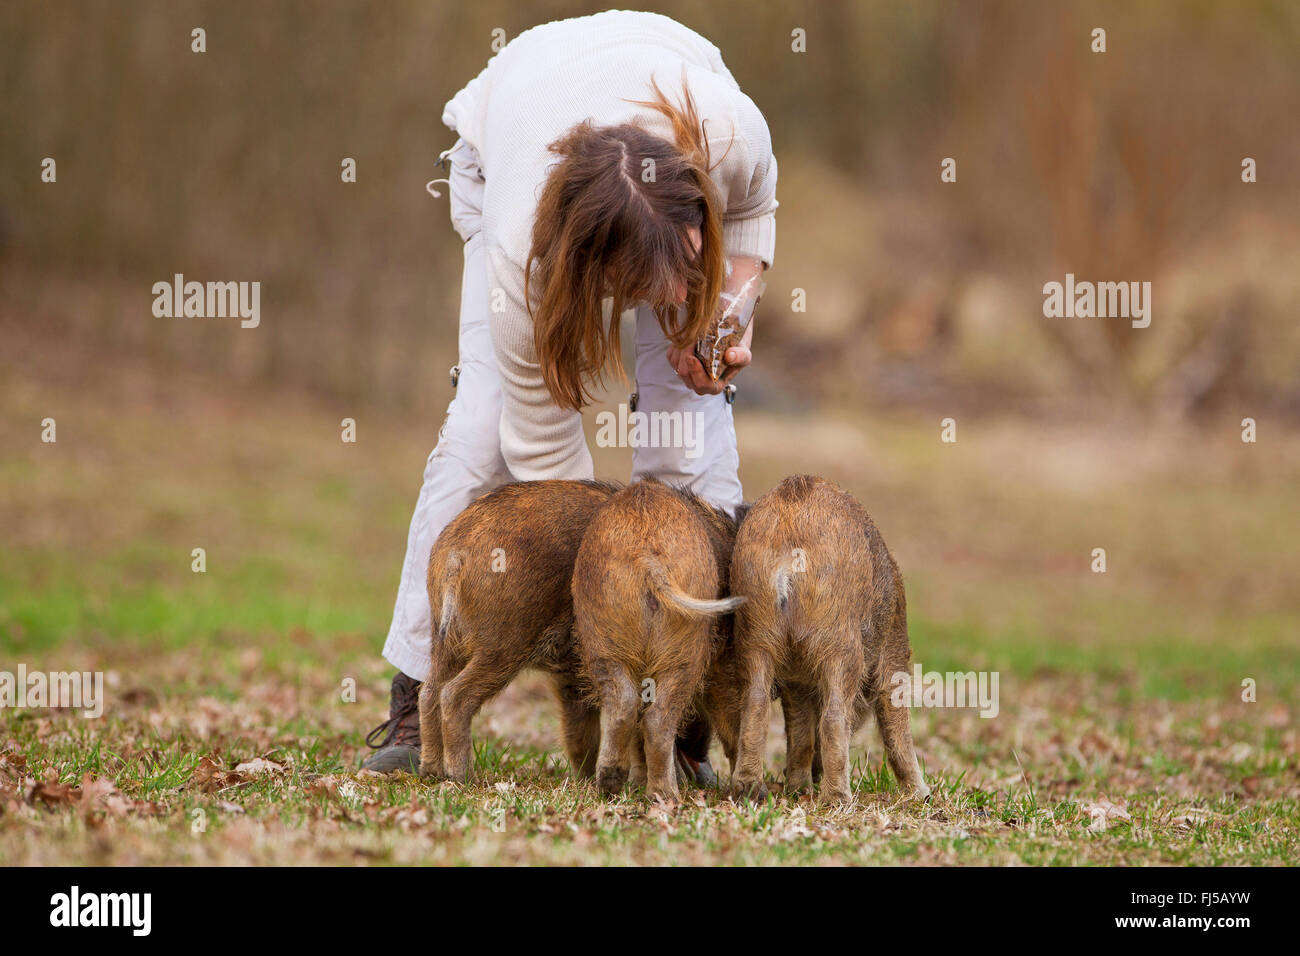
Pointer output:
536, 88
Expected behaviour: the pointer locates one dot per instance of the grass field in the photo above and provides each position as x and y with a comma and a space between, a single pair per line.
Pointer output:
1122, 735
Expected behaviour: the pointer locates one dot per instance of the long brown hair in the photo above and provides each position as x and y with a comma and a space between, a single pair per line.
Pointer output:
609, 223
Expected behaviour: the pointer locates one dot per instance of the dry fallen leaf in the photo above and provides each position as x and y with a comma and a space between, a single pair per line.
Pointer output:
204, 773
208, 776
1103, 811
52, 793
259, 765
92, 788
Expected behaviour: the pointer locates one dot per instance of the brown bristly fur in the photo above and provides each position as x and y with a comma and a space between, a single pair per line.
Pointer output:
825, 625
488, 624
646, 598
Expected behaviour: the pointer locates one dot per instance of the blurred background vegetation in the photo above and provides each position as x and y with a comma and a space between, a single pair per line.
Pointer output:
1117, 166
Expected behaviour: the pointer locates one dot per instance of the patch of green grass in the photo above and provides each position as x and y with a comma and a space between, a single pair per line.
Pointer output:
44, 606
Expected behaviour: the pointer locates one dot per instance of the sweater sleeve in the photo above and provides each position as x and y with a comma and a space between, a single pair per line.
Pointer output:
538, 438
747, 174
461, 114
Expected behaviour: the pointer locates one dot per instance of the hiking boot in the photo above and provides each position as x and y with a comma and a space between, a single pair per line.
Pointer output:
698, 772
400, 747
693, 753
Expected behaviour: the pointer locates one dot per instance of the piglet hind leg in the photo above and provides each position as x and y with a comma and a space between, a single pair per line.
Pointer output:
659, 727
800, 712
747, 779
460, 699
431, 760
580, 721
895, 723
834, 731
896, 732
619, 702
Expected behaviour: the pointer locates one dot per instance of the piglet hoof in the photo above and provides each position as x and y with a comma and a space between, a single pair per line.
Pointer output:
744, 790
920, 792
431, 773
797, 784
610, 780
664, 799
835, 798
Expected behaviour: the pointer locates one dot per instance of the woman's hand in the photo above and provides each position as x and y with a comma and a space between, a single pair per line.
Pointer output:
690, 371
684, 361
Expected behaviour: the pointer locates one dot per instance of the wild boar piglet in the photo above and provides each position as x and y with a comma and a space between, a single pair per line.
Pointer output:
499, 596
647, 595
824, 628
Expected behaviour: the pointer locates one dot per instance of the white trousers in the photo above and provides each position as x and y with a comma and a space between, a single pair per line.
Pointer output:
467, 461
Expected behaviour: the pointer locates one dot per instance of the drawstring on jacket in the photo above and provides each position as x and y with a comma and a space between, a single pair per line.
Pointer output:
442, 161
